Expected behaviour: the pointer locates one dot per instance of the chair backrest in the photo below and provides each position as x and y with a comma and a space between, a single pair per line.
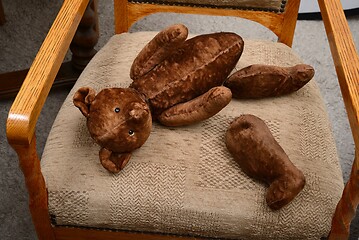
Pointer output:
280, 16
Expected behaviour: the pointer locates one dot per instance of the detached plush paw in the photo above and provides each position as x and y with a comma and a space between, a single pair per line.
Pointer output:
259, 155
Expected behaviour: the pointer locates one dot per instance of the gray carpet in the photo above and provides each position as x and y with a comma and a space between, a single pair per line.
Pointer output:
26, 27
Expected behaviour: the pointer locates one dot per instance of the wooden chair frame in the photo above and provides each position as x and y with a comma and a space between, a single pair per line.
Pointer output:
283, 25
26, 108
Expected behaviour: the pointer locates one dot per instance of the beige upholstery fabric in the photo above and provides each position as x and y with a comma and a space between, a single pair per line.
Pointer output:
183, 180
265, 5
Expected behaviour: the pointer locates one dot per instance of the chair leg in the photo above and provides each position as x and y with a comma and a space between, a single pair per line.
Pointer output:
86, 37
30, 165
2, 14
347, 205
82, 48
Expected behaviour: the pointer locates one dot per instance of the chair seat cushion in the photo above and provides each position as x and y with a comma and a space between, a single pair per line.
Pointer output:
183, 180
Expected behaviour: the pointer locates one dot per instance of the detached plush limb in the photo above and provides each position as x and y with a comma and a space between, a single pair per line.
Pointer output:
159, 48
259, 81
198, 109
259, 155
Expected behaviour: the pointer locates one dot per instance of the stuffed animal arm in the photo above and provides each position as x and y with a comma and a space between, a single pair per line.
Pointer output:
198, 109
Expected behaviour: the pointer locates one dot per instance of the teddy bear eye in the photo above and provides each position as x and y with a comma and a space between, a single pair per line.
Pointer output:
117, 110
131, 132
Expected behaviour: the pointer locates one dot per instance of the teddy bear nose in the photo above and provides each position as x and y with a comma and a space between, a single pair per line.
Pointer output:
139, 113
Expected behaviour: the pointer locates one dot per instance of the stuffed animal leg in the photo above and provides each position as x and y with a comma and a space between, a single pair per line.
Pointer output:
198, 109
260, 156
158, 49
260, 81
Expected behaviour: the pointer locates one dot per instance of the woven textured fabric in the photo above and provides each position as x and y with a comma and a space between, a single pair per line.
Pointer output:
183, 180
264, 5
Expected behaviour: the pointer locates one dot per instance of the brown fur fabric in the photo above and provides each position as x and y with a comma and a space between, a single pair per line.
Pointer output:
191, 69
259, 155
118, 119
260, 81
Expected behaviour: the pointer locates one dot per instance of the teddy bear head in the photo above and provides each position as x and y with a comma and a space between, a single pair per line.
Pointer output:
118, 119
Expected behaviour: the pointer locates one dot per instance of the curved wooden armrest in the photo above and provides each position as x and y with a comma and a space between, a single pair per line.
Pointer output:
346, 63
345, 59
27, 106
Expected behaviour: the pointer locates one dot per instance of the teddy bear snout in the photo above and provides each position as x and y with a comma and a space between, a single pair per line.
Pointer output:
139, 113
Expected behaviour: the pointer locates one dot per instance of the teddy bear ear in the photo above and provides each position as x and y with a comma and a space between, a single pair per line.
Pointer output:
83, 99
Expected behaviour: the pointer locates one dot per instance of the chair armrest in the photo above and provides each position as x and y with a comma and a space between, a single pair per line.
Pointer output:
345, 59
346, 63
27, 106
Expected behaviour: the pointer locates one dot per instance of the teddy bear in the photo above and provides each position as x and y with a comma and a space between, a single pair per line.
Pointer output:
177, 82
119, 120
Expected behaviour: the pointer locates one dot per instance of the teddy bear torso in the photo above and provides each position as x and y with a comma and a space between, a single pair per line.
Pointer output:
198, 65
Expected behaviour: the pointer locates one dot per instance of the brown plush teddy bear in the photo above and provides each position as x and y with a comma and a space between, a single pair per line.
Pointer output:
118, 119
175, 81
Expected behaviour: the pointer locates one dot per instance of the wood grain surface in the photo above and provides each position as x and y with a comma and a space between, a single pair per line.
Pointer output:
346, 63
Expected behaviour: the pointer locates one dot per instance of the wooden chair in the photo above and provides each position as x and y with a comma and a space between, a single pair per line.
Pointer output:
282, 21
